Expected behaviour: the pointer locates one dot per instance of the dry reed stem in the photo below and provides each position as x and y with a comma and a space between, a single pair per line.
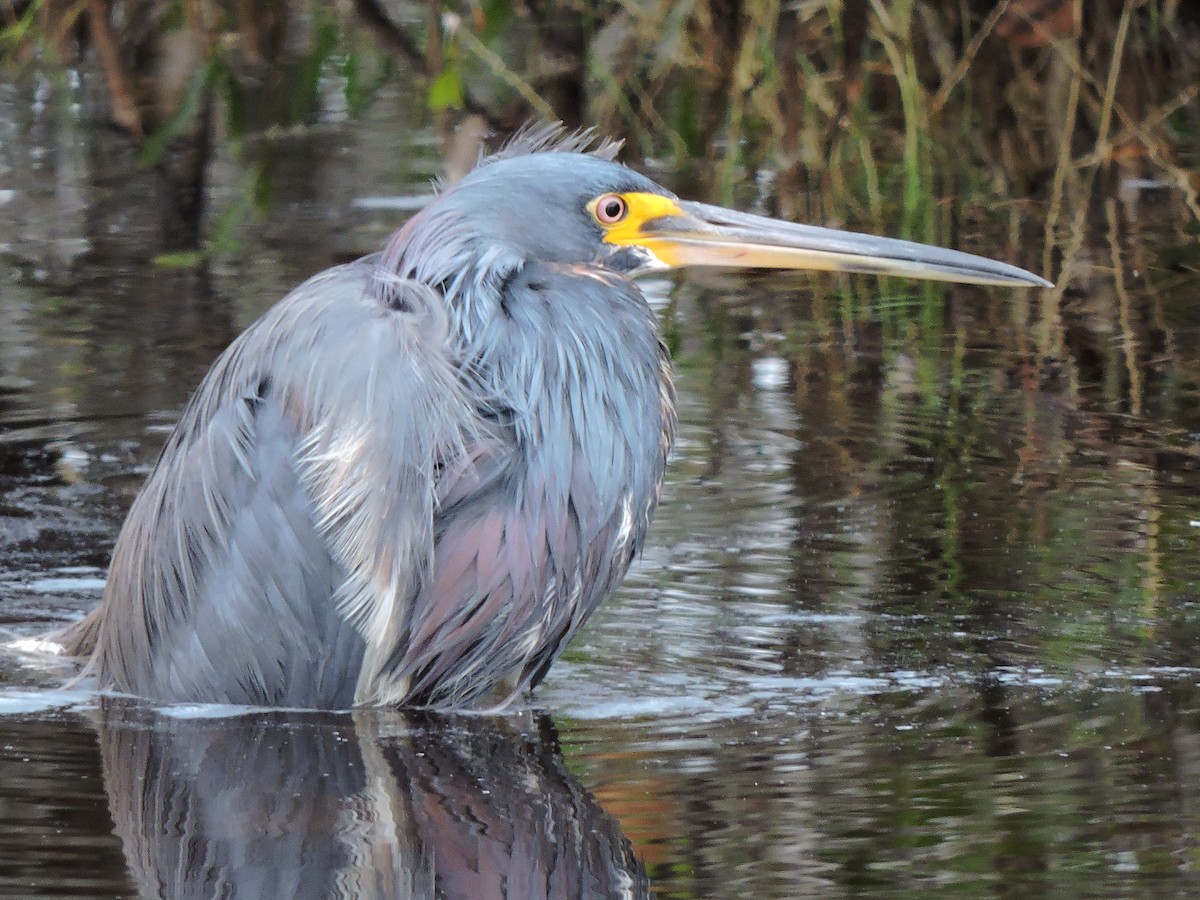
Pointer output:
1128, 341
1050, 341
1140, 130
501, 70
124, 107
968, 57
1064, 153
1133, 128
1114, 71
56, 25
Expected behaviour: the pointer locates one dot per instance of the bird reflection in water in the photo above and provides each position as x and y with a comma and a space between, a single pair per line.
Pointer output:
365, 805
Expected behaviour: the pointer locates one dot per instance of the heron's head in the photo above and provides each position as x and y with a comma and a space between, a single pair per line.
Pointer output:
558, 204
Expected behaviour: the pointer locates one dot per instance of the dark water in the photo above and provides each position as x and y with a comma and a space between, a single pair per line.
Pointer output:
918, 614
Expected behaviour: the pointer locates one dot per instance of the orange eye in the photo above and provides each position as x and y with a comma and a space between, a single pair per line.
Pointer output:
611, 209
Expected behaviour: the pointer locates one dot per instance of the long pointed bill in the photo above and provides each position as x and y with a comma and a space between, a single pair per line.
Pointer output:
681, 233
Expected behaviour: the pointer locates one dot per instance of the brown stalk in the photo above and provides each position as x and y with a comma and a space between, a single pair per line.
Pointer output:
124, 107
1063, 165
1124, 312
1114, 70
968, 57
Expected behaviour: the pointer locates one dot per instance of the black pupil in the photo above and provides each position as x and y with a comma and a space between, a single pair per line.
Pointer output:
612, 208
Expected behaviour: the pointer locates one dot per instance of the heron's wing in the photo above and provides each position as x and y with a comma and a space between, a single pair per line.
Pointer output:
495, 569
279, 539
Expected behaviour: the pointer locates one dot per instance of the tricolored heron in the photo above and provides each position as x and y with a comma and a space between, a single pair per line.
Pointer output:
414, 478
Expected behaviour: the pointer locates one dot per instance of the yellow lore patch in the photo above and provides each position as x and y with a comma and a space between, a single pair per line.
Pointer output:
641, 208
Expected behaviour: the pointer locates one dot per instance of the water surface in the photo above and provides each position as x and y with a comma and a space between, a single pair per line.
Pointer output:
918, 613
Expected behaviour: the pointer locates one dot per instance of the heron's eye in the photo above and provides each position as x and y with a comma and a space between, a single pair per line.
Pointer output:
611, 209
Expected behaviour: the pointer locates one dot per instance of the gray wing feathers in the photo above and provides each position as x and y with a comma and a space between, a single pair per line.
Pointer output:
273, 552
369, 463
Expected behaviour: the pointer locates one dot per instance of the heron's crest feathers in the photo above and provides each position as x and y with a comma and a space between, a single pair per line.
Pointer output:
554, 137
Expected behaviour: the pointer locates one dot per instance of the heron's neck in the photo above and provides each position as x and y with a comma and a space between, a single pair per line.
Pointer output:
575, 360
